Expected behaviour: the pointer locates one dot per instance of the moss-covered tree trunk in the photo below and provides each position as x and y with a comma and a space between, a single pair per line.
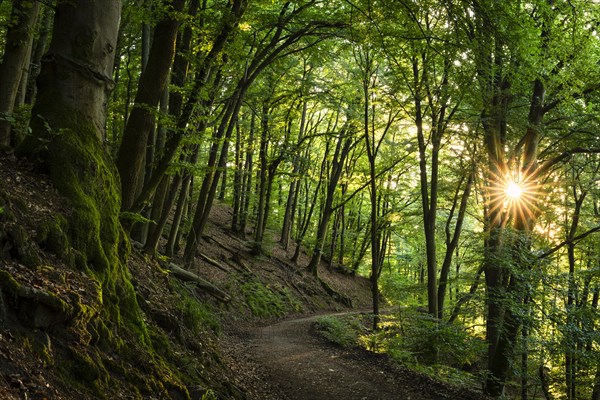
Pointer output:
67, 131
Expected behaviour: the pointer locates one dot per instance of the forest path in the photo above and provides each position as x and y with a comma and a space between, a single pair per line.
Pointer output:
304, 366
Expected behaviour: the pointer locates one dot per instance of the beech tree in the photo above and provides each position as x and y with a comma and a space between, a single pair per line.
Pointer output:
68, 123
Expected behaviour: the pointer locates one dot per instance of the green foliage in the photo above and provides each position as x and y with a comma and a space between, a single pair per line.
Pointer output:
209, 395
20, 122
414, 337
266, 301
197, 316
262, 301
344, 331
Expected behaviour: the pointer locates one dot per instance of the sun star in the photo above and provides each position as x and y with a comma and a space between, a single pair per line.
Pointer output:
514, 191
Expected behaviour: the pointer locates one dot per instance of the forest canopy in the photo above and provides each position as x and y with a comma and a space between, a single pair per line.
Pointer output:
446, 149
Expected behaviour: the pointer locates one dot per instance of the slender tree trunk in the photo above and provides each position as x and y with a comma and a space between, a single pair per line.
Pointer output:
179, 211
202, 78
428, 193
288, 218
309, 207
344, 143
156, 209
247, 180
130, 160
216, 160
571, 339
262, 178
452, 244
38, 52
16, 52
238, 189
153, 240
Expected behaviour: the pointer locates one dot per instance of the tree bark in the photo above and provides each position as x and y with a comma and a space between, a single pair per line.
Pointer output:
291, 202
261, 213
571, 339
229, 24
247, 181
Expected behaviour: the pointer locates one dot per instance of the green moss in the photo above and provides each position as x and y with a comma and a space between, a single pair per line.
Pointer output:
195, 315
160, 342
27, 253
51, 235
44, 352
8, 283
67, 144
86, 371
263, 302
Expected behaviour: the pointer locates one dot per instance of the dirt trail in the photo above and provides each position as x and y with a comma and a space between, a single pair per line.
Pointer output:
303, 366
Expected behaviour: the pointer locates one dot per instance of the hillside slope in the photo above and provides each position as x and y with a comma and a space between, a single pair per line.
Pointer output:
54, 343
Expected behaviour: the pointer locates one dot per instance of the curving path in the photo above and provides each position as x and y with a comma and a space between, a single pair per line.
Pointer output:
305, 367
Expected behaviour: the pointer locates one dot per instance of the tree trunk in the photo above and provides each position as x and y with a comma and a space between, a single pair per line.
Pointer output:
291, 202
201, 82
572, 339
309, 209
38, 52
247, 181
130, 161
343, 146
216, 160
179, 211
452, 244
85, 34
262, 178
16, 52
158, 200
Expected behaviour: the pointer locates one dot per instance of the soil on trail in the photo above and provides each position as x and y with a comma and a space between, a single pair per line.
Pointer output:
297, 364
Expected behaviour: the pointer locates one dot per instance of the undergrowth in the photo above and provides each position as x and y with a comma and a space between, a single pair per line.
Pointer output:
413, 339
267, 301
196, 315
344, 331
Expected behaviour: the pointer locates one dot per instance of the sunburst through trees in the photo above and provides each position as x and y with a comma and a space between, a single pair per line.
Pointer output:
514, 195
